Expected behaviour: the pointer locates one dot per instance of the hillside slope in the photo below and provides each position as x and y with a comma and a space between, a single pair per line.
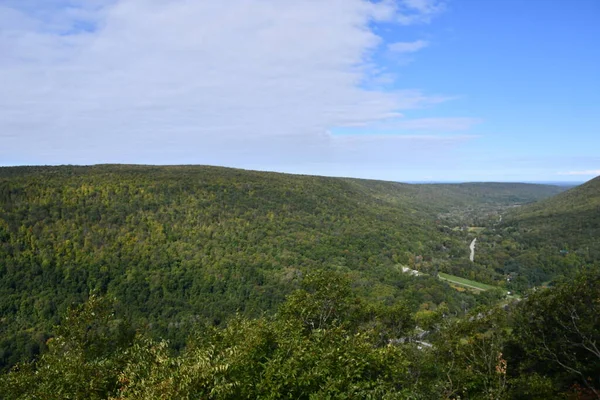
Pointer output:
570, 220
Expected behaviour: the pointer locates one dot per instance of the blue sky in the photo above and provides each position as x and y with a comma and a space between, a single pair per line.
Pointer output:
407, 90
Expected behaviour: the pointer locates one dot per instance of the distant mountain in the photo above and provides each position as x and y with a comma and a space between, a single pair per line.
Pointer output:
488, 193
569, 184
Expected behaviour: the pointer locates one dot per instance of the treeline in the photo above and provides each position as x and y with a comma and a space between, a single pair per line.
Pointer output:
325, 341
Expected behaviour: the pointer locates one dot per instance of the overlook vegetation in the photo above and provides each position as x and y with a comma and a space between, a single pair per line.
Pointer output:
214, 272
325, 342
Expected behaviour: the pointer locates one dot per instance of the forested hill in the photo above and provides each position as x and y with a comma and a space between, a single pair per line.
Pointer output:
181, 244
569, 221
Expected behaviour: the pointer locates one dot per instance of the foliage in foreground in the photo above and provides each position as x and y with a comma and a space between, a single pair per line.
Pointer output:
327, 343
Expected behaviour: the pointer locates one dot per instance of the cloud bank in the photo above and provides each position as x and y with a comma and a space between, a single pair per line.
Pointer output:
247, 83
592, 172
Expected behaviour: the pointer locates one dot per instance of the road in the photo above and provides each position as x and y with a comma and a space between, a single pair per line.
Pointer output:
472, 247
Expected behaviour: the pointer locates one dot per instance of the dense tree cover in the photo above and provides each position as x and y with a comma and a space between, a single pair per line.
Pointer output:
184, 245
326, 341
181, 246
557, 333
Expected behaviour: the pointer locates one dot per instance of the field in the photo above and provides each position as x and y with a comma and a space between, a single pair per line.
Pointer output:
476, 229
465, 282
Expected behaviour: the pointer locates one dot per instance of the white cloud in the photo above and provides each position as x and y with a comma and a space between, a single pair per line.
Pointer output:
419, 11
408, 47
236, 83
435, 124
426, 7
592, 172
421, 124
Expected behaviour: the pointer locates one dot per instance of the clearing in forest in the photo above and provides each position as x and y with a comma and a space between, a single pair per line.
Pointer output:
465, 282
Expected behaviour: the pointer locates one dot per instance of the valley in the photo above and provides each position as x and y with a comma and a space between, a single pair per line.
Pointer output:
185, 249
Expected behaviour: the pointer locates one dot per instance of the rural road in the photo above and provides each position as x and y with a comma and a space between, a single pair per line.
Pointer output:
472, 247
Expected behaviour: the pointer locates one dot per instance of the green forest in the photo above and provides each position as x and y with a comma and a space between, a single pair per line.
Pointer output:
144, 282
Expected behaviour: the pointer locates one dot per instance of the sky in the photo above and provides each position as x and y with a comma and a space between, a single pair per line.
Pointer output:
402, 90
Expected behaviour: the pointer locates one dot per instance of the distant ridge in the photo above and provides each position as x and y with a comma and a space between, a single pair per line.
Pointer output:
458, 182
